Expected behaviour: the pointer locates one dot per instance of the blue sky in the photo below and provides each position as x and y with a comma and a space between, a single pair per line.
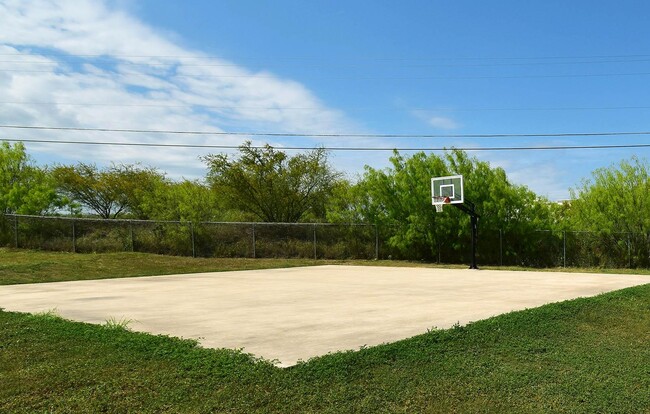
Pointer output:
418, 67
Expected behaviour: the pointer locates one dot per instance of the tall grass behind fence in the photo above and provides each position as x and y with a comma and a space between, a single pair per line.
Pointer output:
36, 233
224, 240
162, 237
541, 248
204, 239
333, 241
286, 240
86, 235
6, 231
615, 250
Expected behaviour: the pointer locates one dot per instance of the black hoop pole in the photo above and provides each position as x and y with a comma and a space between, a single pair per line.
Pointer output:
470, 209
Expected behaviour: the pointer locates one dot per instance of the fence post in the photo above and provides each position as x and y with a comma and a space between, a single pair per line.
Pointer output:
131, 235
438, 246
254, 253
315, 253
192, 234
629, 251
74, 238
376, 242
564, 248
16, 230
500, 247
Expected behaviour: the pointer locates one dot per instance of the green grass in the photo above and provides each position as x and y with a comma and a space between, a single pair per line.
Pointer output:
28, 266
582, 356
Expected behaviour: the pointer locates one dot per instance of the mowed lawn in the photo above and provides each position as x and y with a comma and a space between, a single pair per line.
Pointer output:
580, 356
26, 266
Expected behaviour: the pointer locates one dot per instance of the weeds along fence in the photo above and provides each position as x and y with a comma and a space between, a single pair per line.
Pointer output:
541, 248
203, 239
547, 248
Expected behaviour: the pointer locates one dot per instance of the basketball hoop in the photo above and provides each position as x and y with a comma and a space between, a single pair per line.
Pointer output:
439, 203
449, 190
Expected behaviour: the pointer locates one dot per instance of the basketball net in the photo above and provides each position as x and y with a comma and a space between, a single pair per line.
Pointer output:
442, 201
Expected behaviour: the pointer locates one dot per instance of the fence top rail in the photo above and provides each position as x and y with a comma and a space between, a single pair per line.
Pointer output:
67, 218
265, 223
262, 223
231, 223
630, 233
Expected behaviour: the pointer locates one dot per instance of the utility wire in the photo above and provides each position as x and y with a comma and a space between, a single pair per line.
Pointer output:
359, 58
207, 76
292, 108
343, 65
330, 135
367, 149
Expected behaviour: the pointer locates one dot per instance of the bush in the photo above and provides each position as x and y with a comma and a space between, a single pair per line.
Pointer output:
162, 238
6, 231
46, 234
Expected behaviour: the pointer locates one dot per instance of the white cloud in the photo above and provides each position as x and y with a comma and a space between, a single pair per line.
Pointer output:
83, 63
435, 120
132, 76
442, 122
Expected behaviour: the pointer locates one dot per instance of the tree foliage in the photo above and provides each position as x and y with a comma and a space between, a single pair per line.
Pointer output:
399, 198
267, 184
181, 201
614, 199
24, 187
271, 185
109, 192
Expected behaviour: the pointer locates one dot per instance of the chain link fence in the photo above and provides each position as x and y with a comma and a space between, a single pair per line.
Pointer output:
541, 248
547, 248
204, 239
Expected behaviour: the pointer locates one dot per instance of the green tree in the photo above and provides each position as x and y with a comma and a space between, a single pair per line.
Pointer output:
614, 199
271, 185
182, 201
110, 192
136, 183
24, 187
612, 206
399, 200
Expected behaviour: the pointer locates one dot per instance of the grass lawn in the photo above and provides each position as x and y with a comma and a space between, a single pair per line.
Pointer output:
28, 266
581, 356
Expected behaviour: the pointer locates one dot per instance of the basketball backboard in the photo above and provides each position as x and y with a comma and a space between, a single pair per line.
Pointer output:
447, 190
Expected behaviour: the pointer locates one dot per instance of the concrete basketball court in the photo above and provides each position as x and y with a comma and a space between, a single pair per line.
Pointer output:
298, 313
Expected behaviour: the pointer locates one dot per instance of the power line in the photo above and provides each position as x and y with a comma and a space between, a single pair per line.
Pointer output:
367, 149
284, 108
332, 135
187, 105
359, 58
347, 65
559, 108
206, 76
